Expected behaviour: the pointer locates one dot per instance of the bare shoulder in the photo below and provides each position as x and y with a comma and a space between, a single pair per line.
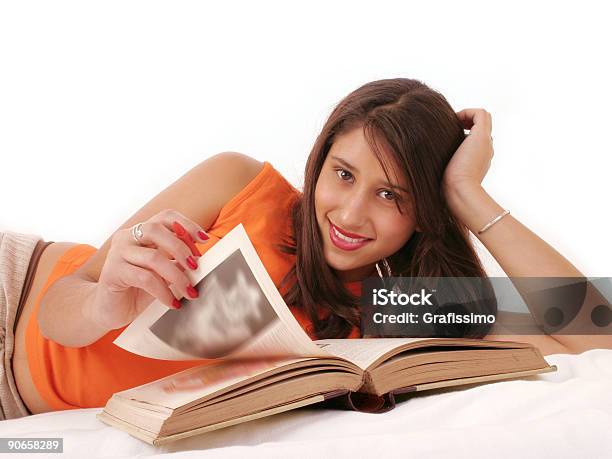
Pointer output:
230, 169
239, 169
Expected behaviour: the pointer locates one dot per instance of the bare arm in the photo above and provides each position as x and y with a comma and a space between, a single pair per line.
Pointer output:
62, 317
521, 253
66, 313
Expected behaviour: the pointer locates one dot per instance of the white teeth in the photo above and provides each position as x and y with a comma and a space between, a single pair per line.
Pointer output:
347, 239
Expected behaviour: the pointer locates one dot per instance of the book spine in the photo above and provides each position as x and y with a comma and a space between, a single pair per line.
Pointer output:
366, 403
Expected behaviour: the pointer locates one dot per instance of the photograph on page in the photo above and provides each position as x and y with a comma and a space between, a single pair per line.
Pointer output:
231, 309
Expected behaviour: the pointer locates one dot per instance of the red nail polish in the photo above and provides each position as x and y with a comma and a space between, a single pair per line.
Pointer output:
178, 229
184, 236
176, 303
193, 293
191, 263
202, 235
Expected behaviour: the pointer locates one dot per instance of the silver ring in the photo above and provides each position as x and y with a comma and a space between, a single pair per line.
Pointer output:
137, 233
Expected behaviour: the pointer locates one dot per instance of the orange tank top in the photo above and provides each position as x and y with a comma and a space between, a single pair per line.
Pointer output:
86, 377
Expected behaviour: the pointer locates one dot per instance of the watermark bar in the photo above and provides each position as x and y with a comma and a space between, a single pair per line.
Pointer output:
474, 306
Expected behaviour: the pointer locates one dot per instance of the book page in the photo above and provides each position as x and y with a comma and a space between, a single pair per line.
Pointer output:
204, 381
366, 352
239, 314
363, 352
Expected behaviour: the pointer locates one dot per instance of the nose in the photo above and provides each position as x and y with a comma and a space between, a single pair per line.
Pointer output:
354, 212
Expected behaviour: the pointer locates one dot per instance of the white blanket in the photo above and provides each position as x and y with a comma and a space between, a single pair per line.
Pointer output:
565, 414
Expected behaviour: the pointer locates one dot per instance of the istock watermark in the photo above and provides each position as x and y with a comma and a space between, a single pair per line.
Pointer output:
464, 307
383, 297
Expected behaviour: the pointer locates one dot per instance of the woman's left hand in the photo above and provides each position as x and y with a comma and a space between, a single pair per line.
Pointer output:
470, 163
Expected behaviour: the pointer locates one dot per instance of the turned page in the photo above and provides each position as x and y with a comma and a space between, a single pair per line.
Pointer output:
239, 314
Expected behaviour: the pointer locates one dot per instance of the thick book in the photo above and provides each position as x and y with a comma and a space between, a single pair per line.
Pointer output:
257, 360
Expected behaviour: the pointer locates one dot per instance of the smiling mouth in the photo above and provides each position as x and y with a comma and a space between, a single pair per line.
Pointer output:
343, 242
346, 236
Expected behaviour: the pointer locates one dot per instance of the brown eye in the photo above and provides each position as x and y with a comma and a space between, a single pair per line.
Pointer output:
393, 197
348, 176
342, 170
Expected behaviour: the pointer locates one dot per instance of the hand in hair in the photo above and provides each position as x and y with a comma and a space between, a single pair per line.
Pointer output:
470, 163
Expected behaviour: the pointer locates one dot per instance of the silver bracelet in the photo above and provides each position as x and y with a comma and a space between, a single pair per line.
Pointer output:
495, 220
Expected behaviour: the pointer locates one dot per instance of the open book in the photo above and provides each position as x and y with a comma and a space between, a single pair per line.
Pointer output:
258, 361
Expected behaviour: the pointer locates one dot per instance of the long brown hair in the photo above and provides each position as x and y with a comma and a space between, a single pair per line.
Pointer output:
421, 130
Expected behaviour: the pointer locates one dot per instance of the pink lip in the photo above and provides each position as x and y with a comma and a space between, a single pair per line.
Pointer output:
343, 244
347, 234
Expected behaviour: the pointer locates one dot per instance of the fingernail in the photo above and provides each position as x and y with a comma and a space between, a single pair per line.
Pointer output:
178, 229
176, 303
191, 263
193, 293
187, 239
202, 235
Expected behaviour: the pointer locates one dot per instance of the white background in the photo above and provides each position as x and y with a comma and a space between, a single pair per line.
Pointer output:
104, 104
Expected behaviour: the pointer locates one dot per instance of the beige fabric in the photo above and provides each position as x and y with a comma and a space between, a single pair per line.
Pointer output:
15, 253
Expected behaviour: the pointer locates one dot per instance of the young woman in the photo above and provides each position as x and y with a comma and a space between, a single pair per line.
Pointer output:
391, 187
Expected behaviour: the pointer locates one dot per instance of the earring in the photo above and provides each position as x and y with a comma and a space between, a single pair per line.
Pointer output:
379, 272
387, 268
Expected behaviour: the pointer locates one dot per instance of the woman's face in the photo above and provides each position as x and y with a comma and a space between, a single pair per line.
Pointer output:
352, 193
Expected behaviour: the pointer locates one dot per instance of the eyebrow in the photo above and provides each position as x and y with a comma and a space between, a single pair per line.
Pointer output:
353, 168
